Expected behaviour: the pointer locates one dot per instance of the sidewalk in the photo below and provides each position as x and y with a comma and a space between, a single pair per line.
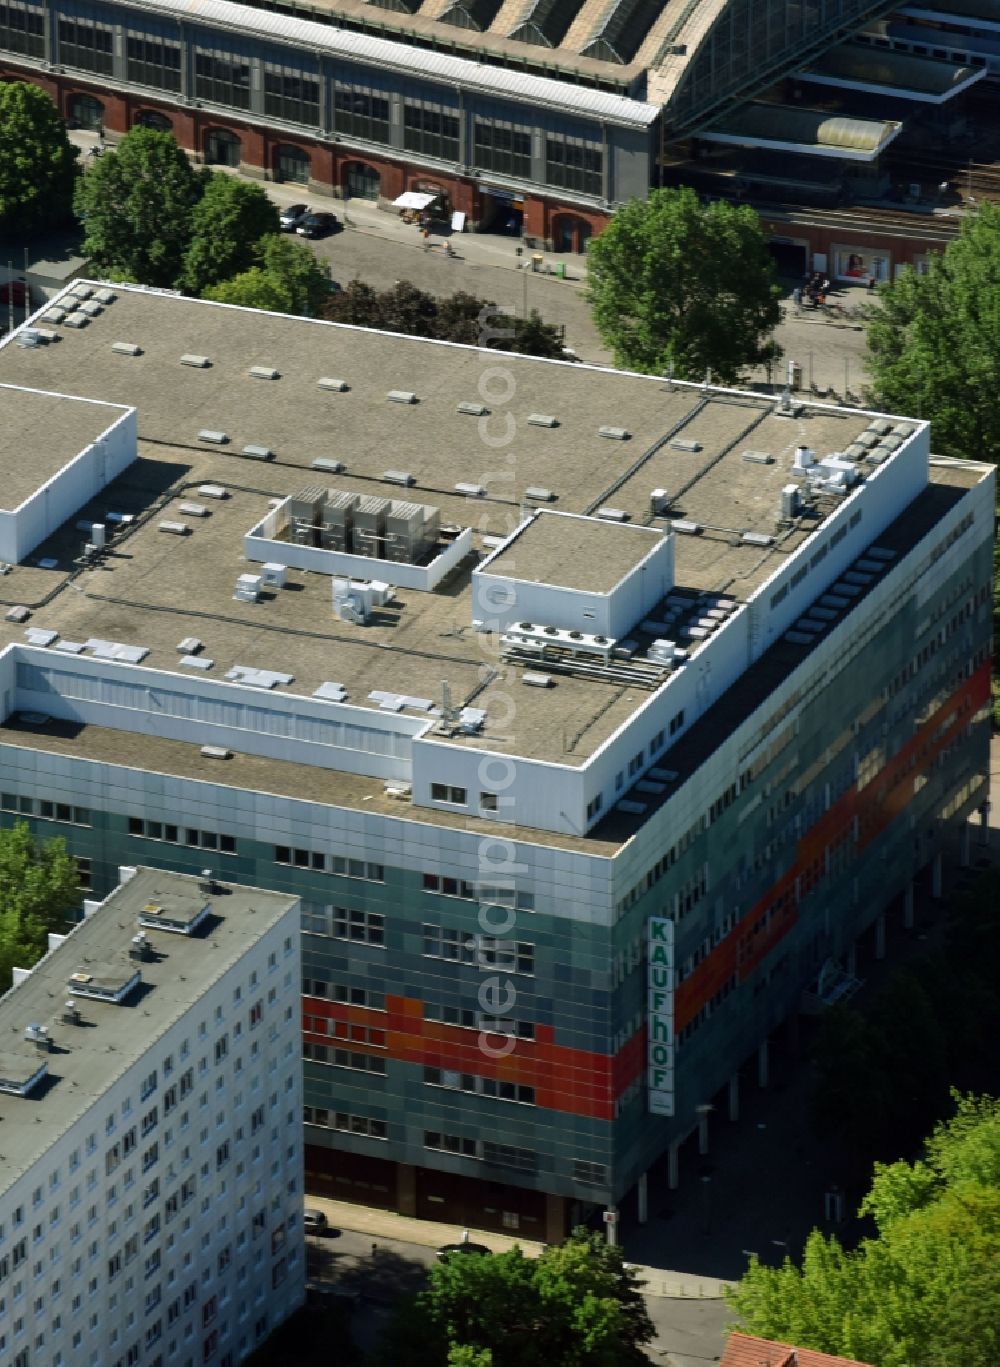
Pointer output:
386, 1224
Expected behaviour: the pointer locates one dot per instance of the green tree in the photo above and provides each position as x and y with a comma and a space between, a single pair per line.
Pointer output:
39, 885
675, 286
299, 270
934, 342
461, 317
577, 1305
926, 1290
38, 163
253, 289
137, 203
226, 225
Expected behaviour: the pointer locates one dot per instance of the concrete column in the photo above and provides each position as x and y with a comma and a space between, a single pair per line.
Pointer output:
555, 1218
908, 906
734, 1097
703, 1114
406, 1189
965, 848
611, 1226
937, 879
984, 824
763, 1064
880, 937
674, 1166
642, 1198
852, 959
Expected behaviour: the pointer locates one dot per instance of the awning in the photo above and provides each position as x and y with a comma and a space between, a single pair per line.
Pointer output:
812, 132
857, 66
413, 199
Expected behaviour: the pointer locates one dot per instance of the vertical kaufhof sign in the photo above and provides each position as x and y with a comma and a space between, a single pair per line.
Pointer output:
660, 1016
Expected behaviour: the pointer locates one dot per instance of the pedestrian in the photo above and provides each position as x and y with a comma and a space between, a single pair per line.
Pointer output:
797, 297
871, 284
374, 1249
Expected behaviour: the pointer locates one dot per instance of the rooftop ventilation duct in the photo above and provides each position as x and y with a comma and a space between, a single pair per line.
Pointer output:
263, 372
196, 362
255, 452
473, 410
399, 477
542, 420
538, 495
216, 438
614, 433
126, 349
330, 382
401, 396
683, 444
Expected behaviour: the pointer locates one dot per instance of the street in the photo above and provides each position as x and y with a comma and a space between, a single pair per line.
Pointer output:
377, 247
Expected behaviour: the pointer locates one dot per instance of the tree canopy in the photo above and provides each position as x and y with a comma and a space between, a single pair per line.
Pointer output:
226, 224
677, 287
461, 317
39, 885
38, 164
137, 203
288, 278
577, 1305
934, 342
925, 1290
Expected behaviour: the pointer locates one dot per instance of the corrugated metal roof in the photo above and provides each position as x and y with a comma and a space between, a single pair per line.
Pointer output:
806, 130
439, 66
897, 72
744, 1351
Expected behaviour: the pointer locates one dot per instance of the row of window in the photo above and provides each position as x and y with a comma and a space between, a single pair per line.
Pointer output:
458, 946
489, 894
339, 992
357, 1034
347, 1124
323, 863
477, 1020
182, 835
480, 1086
485, 1150
48, 811
345, 923
344, 1058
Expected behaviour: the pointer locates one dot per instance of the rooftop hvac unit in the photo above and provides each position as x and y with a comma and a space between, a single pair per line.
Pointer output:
54, 315
685, 528
612, 514
39, 1037
614, 433
98, 533
401, 396
533, 679
76, 319
683, 444
81, 291
193, 510
140, 948
663, 651
255, 452
659, 501
332, 467
791, 501
106, 296
91, 308
757, 539
263, 372
175, 528
880, 425
402, 477
215, 752
328, 382
197, 362
804, 458
273, 575
213, 491
216, 438
471, 490
29, 337
247, 588
758, 457
190, 645
542, 420
70, 1013
538, 495
126, 349
473, 410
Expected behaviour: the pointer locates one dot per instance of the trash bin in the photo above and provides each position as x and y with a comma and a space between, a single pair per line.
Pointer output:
536, 261
561, 270
794, 375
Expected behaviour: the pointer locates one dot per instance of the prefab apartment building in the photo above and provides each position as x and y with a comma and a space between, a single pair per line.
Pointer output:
592, 717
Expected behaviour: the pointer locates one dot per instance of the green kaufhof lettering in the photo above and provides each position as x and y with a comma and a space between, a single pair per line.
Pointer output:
660, 1016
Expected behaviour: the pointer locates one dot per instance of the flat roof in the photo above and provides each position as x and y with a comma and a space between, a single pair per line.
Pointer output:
155, 590
86, 1059
859, 66
575, 552
814, 131
39, 434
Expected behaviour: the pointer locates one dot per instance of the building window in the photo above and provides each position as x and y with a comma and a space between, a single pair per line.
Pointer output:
481, 1086
290, 95
344, 1058
361, 113
502, 148
445, 792
589, 1174
511, 956
86, 46
573, 164
430, 131
222, 78
149, 61
22, 28
345, 1122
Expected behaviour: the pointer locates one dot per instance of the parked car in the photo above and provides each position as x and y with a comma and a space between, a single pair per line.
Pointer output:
317, 225
291, 217
314, 1221
447, 1251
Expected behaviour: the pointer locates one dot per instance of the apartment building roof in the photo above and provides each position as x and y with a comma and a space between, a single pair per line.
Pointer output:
94, 1005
